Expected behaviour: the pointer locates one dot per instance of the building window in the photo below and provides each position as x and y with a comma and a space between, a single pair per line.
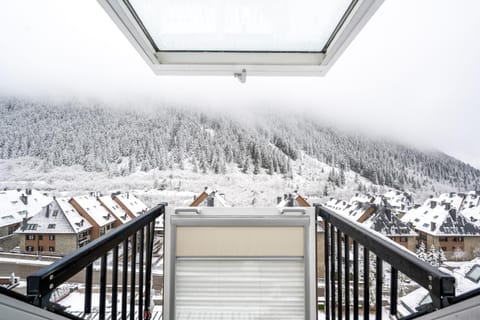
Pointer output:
40, 237
458, 239
444, 249
29, 248
102, 230
40, 248
51, 249
55, 213
30, 237
443, 239
51, 237
403, 239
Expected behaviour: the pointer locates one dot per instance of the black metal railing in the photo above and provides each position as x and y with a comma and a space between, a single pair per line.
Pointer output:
342, 235
137, 236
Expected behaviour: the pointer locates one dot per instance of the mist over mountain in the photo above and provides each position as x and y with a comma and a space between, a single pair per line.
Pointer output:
105, 139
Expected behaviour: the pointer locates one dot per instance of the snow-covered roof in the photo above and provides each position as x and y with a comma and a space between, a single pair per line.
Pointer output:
294, 198
114, 208
386, 222
76, 220
471, 207
463, 284
21, 203
353, 209
442, 216
381, 219
95, 210
398, 200
52, 219
132, 203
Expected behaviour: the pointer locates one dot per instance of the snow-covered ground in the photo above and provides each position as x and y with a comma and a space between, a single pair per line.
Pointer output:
309, 177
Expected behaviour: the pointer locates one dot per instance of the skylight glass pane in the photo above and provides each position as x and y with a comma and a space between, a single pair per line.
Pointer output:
240, 25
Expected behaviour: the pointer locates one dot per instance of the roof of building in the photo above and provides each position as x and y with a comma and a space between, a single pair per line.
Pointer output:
471, 207
74, 218
52, 219
386, 222
381, 218
21, 203
293, 200
114, 208
398, 200
95, 210
442, 216
463, 283
132, 203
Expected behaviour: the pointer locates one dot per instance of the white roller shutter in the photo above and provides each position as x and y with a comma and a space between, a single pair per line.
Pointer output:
240, 289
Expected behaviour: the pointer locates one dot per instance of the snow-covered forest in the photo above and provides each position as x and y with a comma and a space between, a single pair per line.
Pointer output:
105, 139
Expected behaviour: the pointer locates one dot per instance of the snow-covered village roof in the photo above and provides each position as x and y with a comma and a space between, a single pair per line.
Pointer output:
386, 222
52, 219
95, 210
293, 200
115, 209
362, 208
131, 203
398, 200
442, 216
21, 203
463, 283
76, 220
471, 207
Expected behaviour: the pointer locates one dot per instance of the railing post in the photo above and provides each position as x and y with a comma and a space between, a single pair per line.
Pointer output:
327, 271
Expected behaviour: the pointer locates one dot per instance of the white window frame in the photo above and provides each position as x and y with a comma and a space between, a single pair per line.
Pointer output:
240, 217
238, 62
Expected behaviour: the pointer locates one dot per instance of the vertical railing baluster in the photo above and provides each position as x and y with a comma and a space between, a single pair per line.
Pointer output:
140, 274
327, 271
393, 291
355, 280
88, 288
133, 273
124, 279
114, 282
378, 289
103, 286
347, 277
366, 283
339, 273
148, 272
332, 269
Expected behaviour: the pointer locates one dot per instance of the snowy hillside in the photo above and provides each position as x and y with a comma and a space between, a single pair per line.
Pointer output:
78, 147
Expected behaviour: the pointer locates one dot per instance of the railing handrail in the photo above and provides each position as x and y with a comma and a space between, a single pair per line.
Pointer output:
439, 284
45, 280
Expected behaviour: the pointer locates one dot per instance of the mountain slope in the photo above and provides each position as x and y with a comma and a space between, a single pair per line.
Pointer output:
104, 139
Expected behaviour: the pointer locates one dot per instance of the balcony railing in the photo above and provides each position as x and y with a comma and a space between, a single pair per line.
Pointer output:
132, 240
126, 258
343, 237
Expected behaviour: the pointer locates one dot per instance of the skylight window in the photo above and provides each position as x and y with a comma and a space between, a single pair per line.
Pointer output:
51, 226
474, 273
264, 37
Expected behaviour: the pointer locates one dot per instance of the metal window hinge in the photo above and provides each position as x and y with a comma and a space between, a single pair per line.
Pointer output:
241, 76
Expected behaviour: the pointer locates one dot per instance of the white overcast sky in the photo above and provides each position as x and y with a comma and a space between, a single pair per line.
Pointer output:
413, 73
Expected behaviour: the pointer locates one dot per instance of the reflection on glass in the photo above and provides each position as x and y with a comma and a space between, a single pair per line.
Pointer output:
240, 25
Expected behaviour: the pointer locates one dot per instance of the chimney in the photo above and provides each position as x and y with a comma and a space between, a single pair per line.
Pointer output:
433, 226
453, 214
28, 191
24, 199
279, 199
447, 206
47, 211
433, 204
24, 223
211, 201
388, 213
